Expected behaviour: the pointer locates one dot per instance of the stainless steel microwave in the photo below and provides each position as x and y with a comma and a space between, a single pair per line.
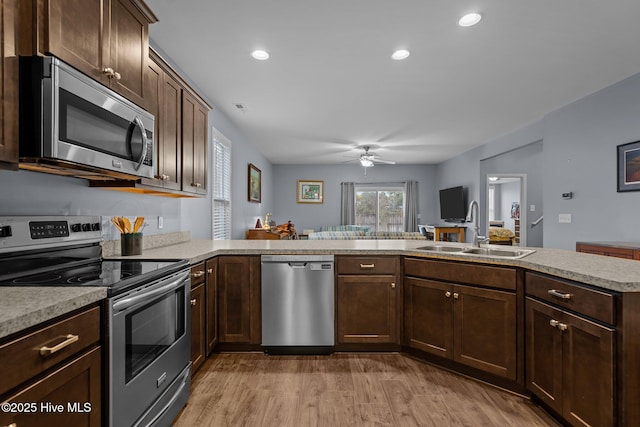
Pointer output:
74, 125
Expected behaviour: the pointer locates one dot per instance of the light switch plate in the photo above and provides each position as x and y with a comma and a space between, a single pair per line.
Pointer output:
160, 222
532, 208
564, 218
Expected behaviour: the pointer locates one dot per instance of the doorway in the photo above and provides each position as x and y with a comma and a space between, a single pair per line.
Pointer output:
506, 201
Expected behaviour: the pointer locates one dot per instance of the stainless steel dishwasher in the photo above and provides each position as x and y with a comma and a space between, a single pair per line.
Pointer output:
298, 304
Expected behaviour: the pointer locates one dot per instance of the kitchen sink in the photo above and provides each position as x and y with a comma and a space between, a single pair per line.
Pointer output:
500, 253
488, 252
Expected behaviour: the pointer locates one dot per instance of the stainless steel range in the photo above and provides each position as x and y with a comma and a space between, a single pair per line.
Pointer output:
148, 309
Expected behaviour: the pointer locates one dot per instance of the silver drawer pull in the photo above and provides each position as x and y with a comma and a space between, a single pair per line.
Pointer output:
553, 323
194, 302
70, 339
367, 266
198, 273
557, 294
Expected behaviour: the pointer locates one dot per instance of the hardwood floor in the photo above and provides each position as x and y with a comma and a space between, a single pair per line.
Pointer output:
346, 389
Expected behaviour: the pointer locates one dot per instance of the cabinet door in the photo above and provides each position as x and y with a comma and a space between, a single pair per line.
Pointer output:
544, 353
78, 31
429, 316
239, 314
75, 383
194, 145
129, 50
367, 309
485, 329
212, 304
9, 85
588, 356
163, 97
170, 155
198, 347
153, 85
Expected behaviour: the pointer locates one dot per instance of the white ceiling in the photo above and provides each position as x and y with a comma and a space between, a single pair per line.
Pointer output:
330, 85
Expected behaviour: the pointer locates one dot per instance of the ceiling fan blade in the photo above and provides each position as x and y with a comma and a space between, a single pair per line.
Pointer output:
388, 162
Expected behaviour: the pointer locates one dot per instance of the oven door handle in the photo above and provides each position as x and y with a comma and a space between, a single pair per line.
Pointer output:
128, 302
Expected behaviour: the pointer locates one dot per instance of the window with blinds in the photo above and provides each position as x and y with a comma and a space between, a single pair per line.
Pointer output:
221, 187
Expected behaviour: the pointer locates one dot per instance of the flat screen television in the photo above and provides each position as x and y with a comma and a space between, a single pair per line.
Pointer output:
453, 204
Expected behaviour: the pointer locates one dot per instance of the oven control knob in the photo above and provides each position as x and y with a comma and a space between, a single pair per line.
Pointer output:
76, 227
86, 227
95, 226
5, 231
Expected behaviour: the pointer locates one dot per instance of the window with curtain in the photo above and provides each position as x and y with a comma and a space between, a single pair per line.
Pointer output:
381, 208
221, 187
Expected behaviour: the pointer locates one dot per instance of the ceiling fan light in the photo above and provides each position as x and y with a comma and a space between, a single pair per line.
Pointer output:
366, 163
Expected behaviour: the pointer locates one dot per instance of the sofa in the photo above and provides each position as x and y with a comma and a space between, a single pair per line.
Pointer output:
357, 232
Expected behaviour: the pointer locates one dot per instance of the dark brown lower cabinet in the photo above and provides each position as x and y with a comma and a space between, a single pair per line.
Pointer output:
368, 309
570, 364
470, 325
198, 344
239, 314
73, 390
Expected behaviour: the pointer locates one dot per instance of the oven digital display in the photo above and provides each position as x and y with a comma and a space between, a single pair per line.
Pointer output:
48, 229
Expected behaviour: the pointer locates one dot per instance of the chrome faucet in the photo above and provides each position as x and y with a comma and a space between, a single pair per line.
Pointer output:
476, 228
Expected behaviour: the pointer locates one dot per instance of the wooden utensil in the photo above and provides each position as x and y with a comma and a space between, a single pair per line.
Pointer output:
138, 223
127, 225
116, 221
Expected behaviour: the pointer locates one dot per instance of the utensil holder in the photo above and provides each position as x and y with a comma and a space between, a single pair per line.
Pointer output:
131, 244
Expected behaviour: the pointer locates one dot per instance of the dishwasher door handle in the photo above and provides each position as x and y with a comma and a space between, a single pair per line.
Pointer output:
298, 264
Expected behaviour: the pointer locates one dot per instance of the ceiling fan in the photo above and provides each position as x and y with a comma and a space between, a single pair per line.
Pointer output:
369, 159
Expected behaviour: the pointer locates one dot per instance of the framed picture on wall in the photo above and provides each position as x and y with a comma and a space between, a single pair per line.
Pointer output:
310, 192
255, 184
629, 167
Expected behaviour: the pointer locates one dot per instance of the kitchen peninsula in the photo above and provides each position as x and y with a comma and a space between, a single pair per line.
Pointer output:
527, 286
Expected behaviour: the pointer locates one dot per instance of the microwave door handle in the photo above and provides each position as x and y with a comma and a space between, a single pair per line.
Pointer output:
138, 122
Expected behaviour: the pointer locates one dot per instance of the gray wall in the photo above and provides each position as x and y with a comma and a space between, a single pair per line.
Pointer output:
306, 216
34, 193
580, 156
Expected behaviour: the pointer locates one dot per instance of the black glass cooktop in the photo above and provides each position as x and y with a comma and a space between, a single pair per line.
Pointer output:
116, 275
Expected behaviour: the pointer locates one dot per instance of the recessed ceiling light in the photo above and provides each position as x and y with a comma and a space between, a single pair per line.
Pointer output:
260, 55
400, 54
470, 19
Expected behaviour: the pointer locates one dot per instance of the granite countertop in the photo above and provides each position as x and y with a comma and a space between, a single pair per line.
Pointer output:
606, 272
23, 307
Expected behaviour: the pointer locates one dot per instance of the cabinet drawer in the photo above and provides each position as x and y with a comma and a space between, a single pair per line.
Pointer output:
197, 275
21, 359
74, 384
367, 265
476, 274
596, 304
